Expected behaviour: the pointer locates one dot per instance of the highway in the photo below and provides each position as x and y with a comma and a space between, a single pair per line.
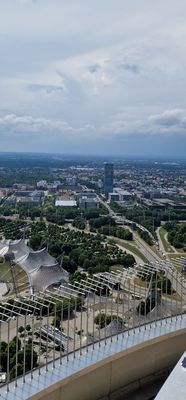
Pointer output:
176, 278
121, 219
142, 246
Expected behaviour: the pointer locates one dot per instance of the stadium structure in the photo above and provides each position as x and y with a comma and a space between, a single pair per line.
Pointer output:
41, 268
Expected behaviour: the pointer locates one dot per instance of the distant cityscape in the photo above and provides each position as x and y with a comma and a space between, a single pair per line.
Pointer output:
150, 184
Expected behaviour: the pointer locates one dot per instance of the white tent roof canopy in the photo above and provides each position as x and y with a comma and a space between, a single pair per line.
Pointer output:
42, 269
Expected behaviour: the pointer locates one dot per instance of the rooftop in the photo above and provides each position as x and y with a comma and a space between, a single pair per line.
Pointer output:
66, 203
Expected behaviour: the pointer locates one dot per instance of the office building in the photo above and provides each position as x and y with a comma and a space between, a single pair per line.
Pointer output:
108, 178
87, 203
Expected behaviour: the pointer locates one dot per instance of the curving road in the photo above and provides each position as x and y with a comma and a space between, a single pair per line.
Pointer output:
142, 246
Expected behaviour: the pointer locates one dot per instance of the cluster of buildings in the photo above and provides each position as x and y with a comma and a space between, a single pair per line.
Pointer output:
25, 197
68, 183
68, 192
84, 200
148, 186
78, 186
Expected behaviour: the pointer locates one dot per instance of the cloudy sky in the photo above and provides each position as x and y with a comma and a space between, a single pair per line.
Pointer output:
93, 76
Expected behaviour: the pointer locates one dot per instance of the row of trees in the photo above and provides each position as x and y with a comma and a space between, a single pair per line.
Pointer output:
79, 222
25, 355
116, 231
12, 229
91, 252
176, 234
101, 221
149, 218
146, 237
25, 175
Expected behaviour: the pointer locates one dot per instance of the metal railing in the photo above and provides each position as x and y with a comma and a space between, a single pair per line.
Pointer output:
46, 326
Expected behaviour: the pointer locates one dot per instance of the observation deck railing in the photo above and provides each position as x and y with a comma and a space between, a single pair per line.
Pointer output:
46, 331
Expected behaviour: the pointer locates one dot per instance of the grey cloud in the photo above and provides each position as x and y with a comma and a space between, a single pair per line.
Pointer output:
75, 90
94, 68
170, 122
134, 68
175, 118
46, 88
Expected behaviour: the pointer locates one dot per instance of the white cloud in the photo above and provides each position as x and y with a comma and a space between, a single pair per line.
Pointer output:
27, 124
92, 69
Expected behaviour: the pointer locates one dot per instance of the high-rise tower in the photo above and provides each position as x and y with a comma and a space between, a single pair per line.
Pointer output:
108, 178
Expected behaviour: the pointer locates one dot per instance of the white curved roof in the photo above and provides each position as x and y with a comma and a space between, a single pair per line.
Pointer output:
35, 259
42, 269
17, 247
45, 276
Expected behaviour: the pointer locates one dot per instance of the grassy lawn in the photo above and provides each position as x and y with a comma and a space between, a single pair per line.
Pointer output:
174, 296
139, 282
116, 268
156, 251
173, 256
132, 248
5, 273
20, 289
166, 245
21, 277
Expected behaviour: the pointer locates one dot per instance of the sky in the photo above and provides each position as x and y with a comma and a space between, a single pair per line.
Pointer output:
93, 77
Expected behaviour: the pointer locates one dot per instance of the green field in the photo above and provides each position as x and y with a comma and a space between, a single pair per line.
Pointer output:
173, 256
116, 268
6, 275
132, 248
139, 282
167, 247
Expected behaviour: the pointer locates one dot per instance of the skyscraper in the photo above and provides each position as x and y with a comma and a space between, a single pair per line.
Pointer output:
108, 178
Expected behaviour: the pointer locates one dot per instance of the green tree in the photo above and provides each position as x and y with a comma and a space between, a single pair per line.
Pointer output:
28, 328
21, 329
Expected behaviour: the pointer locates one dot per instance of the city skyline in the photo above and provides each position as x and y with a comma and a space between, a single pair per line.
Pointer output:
93, 78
